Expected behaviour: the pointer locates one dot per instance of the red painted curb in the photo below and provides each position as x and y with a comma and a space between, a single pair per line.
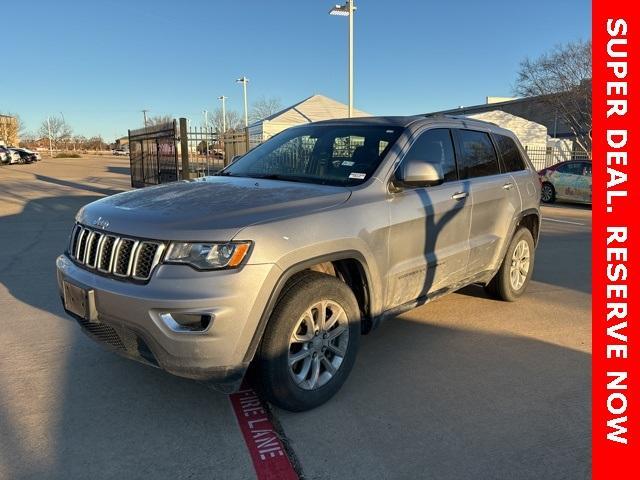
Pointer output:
268, 454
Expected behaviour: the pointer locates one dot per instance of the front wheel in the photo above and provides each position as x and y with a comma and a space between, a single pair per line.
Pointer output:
511, 280
310, 343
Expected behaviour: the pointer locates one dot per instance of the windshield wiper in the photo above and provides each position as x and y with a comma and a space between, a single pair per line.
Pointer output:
276, 176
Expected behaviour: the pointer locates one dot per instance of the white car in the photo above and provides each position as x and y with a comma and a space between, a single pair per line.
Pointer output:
9, 156
120, 151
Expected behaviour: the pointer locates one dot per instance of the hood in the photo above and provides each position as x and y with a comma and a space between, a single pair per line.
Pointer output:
206, 209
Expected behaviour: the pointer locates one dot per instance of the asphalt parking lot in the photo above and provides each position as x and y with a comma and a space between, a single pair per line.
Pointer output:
464, 387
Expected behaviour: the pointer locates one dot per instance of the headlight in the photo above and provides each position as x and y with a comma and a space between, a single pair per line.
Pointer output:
208, 256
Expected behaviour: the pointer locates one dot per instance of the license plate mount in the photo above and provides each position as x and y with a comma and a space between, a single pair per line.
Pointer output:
79, 301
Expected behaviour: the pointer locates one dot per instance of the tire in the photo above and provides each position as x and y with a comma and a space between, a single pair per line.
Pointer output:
502, 286
299, 387
548, 193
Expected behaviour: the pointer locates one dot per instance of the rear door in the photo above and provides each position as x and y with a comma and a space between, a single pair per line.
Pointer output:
495, 199
429, 226
512, 160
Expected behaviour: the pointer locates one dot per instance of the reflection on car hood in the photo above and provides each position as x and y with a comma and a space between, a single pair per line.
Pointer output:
198, 209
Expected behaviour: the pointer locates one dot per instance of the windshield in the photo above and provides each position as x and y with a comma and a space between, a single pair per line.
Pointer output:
341, 155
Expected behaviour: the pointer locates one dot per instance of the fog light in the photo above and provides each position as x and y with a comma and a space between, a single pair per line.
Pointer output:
187, 322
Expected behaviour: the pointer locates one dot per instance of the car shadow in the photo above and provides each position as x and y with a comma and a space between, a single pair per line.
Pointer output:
427, 401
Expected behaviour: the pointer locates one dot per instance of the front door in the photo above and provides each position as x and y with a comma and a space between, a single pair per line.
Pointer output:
429, 227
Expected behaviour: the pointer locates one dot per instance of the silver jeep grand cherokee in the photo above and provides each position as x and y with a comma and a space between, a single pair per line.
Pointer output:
290, 253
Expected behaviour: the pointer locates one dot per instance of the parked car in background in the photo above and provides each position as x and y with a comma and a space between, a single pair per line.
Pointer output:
35, 156
287, 255
26, 156
4, 155
120, 151
10, 155
568, 181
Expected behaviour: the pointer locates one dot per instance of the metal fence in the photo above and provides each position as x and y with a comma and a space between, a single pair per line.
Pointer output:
543, 157
173, 150
153, 154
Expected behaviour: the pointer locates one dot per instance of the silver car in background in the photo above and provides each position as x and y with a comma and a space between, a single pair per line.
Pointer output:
288, 255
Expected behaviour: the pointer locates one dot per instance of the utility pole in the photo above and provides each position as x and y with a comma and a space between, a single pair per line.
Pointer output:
347, 10
144, 113
244, 80
49, 131
206, 119
224, 113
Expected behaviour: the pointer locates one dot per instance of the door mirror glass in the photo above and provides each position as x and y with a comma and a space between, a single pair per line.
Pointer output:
416, 172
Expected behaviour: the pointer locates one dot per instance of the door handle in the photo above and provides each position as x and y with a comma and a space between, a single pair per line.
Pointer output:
508, 186
459, 195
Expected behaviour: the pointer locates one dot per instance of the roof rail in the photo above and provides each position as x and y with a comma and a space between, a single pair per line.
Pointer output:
458, 117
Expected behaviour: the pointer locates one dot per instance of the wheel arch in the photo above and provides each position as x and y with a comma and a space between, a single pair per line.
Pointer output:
349, 265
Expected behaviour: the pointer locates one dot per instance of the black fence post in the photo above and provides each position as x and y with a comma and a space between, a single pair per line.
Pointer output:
184, 149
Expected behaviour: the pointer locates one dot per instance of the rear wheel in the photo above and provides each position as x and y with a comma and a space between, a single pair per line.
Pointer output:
514, 274
310, 343
548, 193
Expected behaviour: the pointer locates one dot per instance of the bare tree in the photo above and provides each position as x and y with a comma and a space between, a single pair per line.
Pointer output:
234, 121
159, 119
264, 107
562, 78
57, 130
11, 128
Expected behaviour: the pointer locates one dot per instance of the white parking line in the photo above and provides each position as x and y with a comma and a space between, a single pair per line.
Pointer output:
563, 221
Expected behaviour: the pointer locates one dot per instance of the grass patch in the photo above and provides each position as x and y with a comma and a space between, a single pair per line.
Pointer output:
67, 155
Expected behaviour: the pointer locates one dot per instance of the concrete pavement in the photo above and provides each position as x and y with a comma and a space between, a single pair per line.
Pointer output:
464, 387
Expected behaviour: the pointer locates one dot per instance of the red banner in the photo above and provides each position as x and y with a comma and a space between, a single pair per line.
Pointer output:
616, 220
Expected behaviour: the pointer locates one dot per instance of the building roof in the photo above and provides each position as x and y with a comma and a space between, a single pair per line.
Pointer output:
312, 109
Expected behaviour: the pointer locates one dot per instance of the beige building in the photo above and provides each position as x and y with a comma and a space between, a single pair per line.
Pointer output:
9, 130
312, 109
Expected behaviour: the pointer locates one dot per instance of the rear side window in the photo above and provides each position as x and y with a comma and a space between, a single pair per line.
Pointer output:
510, 154
478, 157
435, 146
573, 168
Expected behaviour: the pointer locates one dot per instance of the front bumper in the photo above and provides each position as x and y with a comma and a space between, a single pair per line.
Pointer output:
129, 317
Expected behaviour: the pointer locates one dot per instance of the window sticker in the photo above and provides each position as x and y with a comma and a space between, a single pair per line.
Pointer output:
348, 163
357, 176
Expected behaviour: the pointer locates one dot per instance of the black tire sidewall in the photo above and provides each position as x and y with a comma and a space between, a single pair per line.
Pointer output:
507, 292
273, 374
552, 198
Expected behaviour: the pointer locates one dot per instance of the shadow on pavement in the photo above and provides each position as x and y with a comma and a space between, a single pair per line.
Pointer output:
426, 401
71, 410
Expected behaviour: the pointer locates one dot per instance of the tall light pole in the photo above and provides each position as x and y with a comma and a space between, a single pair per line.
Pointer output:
347, 10
206, 119
244, 80
224, 113
49, 132
144, 113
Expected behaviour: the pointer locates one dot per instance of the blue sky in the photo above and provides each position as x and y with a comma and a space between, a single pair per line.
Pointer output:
101, 62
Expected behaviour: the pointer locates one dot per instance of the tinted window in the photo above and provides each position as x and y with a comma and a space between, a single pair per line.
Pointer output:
587, 169
435, 146
478, 155
324, 154
511, 158
573, 168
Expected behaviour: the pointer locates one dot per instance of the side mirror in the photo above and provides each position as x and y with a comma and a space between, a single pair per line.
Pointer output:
418, 173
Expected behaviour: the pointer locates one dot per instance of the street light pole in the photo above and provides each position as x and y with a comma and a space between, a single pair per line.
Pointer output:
224, 113
49, 131
244, 80
347, 10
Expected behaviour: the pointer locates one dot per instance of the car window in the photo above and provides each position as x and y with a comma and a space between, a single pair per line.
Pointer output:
586, 169
343, 155
478, 157
573, 168
435, 146
511, 157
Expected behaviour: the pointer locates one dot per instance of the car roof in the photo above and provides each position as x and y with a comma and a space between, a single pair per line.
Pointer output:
416, 120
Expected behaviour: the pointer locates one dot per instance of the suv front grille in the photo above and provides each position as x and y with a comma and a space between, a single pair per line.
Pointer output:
121, 257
